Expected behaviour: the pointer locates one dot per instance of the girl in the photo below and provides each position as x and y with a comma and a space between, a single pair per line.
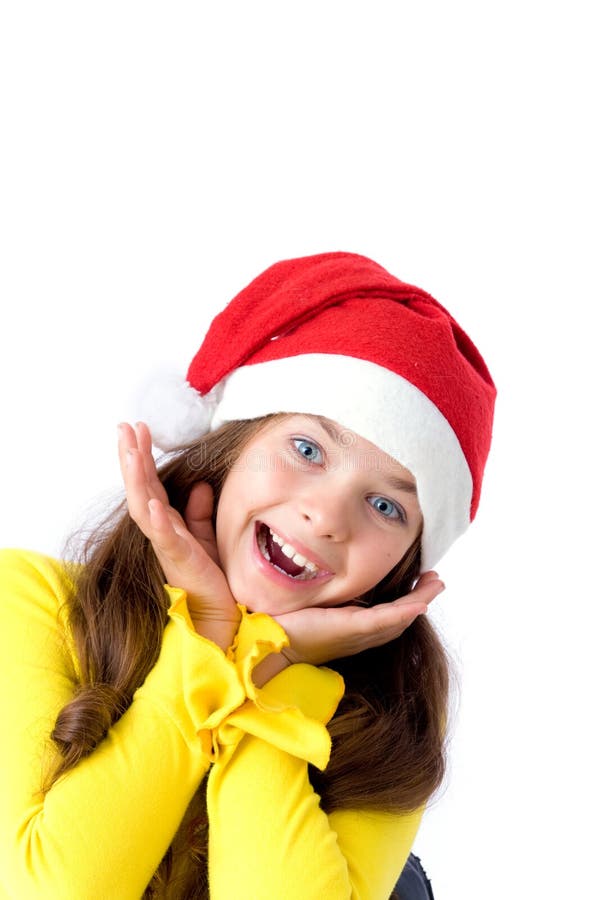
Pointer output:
173, 728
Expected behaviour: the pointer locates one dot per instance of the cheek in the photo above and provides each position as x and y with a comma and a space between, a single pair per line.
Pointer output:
381, 557
228, 512
243, 495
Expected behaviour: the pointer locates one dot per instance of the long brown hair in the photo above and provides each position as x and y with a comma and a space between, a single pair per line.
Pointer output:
388, 731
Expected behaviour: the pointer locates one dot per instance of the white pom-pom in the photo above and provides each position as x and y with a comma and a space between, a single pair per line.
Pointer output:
173, 410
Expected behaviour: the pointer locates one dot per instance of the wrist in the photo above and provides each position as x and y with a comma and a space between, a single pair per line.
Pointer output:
270, 666
220, 631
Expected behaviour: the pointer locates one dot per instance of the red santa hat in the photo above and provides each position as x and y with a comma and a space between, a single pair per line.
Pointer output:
336, 335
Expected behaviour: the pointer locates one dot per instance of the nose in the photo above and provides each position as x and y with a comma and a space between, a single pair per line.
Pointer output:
327, 512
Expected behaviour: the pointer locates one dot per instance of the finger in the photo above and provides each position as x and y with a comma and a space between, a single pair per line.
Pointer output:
167, 533
144, 443
144, 438
426, 589
200, 504
176, 546
140, 477
135, 497
390, 626
127, 440
393, 616
424, 577
385, 621
198, 517
136, 488
380, 624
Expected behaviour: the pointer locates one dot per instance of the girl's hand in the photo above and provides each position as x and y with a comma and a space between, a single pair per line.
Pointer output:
185, 548
318, 635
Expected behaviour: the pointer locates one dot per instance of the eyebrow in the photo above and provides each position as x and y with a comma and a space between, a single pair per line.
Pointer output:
399, 484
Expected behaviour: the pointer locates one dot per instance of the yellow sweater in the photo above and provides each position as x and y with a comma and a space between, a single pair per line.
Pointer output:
102, 829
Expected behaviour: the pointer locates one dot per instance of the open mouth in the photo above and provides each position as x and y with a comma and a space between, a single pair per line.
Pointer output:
283, 556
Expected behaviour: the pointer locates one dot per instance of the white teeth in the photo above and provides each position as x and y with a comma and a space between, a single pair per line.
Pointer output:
310, 568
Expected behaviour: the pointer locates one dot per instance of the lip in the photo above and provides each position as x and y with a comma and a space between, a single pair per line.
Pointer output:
279, 577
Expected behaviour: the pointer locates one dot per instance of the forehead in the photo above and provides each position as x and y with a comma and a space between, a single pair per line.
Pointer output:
347, 445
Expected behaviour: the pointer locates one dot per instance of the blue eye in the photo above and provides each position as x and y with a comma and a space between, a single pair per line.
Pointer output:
387, 508
310, 451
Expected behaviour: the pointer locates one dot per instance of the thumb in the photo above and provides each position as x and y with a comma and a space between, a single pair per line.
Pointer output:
198, 517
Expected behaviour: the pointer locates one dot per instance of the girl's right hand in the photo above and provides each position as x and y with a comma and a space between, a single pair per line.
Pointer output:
186, 549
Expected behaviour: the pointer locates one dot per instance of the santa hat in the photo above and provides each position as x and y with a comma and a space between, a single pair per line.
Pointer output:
336, 335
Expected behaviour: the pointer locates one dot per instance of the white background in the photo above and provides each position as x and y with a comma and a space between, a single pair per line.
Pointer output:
155, 157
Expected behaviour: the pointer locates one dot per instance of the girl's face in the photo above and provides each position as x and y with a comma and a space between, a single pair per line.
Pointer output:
312, 515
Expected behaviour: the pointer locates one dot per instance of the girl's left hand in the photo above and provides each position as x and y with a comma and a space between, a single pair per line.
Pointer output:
318, 635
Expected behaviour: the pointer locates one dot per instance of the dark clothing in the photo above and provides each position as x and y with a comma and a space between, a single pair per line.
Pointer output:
413, 883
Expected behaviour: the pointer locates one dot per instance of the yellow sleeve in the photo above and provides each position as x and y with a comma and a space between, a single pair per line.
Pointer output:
268, 836
102, 829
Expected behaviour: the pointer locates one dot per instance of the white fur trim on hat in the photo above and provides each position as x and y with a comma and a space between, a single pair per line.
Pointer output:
173, 410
